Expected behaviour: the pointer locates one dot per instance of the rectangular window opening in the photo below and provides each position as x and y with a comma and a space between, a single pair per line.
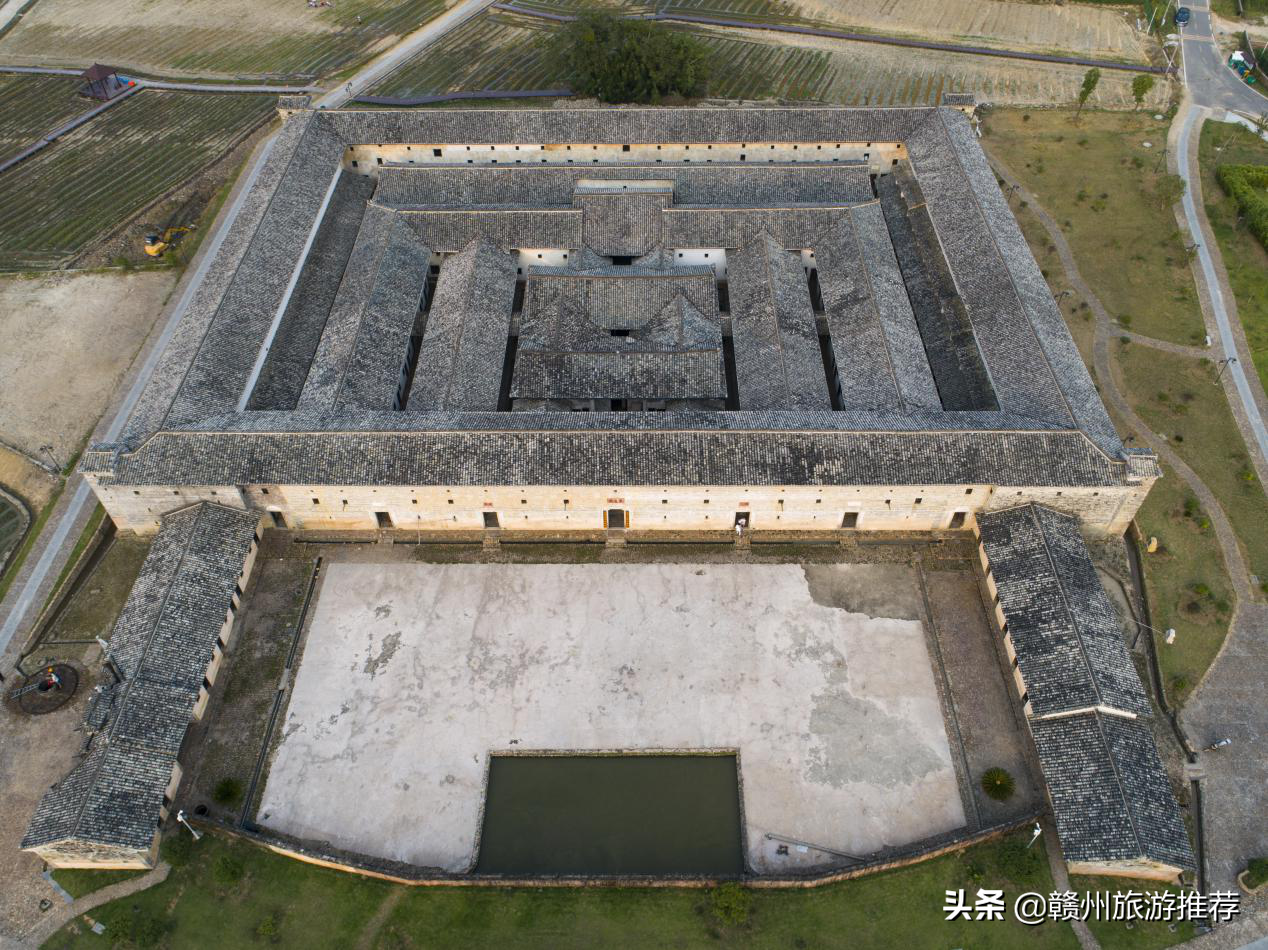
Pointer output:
383, 519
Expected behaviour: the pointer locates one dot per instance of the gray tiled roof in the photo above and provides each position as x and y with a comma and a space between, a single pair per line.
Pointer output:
163, 643
1110, 794
348, 313
778, 361
558, 449
564, 354
373, 372
299, 333
1001, 339
460, 360
1065, 631
460, 186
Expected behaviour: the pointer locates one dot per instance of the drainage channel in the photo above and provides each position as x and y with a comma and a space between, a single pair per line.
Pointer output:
278, 697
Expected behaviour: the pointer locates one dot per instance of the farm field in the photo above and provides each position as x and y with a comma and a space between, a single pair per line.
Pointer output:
30, 106
230, 39
103, 173
13, 524
1083, 29
505, 51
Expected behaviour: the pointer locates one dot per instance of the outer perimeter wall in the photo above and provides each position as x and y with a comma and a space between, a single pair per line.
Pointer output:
555, 509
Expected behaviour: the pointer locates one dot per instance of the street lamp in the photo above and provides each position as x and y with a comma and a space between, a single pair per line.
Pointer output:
180, 816
1169, 635
1223, 365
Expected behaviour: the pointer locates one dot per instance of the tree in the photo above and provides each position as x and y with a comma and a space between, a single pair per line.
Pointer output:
1141, 87
620, 60
1090, 79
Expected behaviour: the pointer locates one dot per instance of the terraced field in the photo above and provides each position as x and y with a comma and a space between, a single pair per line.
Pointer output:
1079, 28
108, 170
33, 105
491, 51
505, 51
224, 39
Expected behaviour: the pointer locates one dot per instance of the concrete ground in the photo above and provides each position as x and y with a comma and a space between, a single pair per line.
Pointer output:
68, 340
413, 673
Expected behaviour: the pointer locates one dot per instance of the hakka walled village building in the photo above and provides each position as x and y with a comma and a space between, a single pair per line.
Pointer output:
624, 326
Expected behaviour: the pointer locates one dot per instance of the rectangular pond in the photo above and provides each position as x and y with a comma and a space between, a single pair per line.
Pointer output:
612, 814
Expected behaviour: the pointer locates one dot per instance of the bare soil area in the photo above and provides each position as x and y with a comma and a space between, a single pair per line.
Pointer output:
68, 341
1042, 27
869, 74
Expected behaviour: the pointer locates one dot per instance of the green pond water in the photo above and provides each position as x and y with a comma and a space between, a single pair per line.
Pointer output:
612, 814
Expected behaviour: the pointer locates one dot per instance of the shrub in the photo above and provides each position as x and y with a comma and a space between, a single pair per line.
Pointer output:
1245, 184
1016, 861
267, 928
618, 60
998, 784
1179, 683
177, 848
228, 791
1257, 872
148, 929
731, 904
227, 870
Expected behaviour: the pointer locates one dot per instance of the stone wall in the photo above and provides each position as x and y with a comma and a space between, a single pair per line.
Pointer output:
1104, 510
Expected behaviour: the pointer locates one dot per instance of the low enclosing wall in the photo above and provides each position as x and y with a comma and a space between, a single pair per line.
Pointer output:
424, 877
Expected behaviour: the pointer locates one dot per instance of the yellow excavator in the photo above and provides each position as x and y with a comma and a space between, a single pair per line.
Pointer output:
156, 244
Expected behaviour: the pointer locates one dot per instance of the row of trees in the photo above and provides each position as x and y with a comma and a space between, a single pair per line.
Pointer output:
621, 60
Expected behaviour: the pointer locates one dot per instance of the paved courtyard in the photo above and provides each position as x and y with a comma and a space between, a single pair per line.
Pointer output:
412, 674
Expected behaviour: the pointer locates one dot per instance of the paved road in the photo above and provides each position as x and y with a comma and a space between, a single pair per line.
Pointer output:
379, 68
142, 83
1211, 83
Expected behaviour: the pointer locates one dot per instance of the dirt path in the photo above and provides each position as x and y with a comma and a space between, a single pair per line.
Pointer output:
64, 914
1225, 702
375, 923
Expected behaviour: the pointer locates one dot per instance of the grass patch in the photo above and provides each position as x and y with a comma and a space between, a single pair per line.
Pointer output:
900, 908
94, 521
223, 894
93, 610
1099, 183
81, 881
1244, 257
1178, 398
1143, 935
1187, 563
231, 894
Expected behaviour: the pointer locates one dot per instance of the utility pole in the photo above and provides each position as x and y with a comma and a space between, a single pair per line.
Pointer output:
48, 450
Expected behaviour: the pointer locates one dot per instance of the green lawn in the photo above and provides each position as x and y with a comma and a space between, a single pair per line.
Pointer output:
1143, 935
285, 903
1187, 583
1244, 257
80, 881
1098, 181
1178, 397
